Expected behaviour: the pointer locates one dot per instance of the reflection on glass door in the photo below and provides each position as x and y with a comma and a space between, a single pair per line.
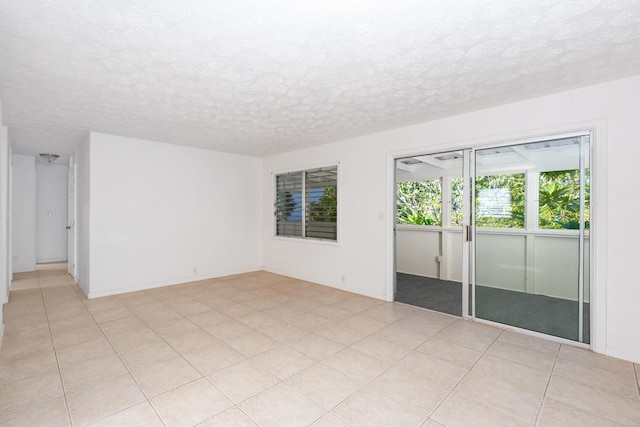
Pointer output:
531, 229
430, 253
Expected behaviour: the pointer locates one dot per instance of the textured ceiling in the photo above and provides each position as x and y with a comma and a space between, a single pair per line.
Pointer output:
264, 77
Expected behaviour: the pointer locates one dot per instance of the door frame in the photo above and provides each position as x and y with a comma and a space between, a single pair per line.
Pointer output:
598, 180
472, 172
71, 218
466, 235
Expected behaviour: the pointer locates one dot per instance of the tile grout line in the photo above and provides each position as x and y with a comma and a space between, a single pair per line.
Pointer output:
463, 378
368, 382
636, 369
237, 405
202, 376
546, 389
147, 399
55, 353
53, 297
317, 361
281, 381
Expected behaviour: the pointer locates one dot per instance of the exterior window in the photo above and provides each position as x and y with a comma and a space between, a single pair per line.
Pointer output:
500, 201
419, 202
560, 199
307, 204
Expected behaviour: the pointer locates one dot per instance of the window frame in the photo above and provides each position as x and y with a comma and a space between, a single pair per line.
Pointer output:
305, 205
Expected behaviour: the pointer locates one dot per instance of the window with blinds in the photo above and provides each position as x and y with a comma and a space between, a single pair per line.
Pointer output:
307, 204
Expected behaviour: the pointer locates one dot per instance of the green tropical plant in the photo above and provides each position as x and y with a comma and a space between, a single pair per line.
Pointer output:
326, 208
457, 193
419, 202
560, 199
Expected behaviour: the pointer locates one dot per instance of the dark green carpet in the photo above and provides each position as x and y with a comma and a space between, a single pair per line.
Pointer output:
540, 313
434, 294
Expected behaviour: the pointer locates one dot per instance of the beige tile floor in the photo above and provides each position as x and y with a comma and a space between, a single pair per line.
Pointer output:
262, 349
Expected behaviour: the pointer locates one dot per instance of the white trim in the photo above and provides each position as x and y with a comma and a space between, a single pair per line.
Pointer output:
390, 228
313, 240
274, 220
598, 235
623, 354
306, 168
10, 221
538, 137
162, 284
581, 245
27, 269
51, 261
499, 140
416, 227
5, 233
334, 285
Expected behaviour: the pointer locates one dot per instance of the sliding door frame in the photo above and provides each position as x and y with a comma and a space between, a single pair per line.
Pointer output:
598, 251
581, 233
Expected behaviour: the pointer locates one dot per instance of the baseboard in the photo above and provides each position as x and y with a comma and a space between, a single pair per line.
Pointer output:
631, 356
51, 261
338, 286
179, 281
23, 269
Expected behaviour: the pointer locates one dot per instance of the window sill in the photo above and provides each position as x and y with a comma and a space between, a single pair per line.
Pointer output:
306, 240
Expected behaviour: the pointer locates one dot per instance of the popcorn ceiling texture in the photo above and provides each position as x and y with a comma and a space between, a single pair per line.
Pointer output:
264, 77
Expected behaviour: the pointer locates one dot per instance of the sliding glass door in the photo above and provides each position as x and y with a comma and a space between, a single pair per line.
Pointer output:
498, 233
531, 232
430, 220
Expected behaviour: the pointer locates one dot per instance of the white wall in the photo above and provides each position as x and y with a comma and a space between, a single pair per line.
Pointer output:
364, 253
83, 220
163, 214
24, 210
417, 250
5, 163
51, 212
5, 273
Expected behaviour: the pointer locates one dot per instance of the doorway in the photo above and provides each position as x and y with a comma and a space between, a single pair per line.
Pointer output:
430, 215
51, 203
39, 212
514, 249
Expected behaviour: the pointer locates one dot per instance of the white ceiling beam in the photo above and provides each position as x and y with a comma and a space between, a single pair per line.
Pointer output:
432, 161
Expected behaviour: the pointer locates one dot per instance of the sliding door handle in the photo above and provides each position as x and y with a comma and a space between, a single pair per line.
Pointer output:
467, 233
